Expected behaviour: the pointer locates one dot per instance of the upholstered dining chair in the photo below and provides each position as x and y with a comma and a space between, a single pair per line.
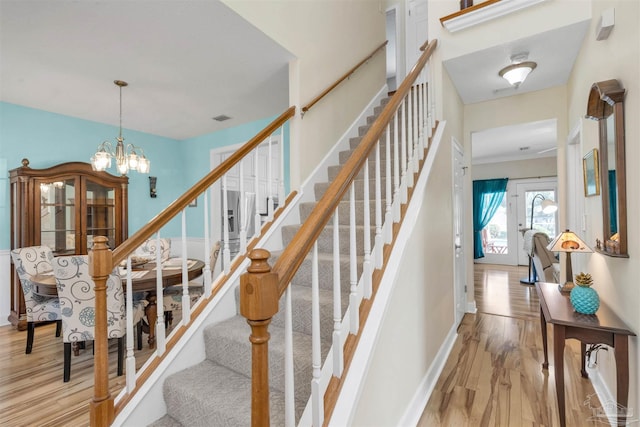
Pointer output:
172, 295
77, 307
30, 261
148, 249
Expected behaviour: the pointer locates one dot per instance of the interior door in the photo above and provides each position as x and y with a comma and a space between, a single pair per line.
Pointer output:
459, 273
416, 30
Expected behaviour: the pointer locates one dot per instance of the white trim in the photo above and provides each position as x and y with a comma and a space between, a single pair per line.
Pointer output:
487, 13
354, 380
602, 391
423, 393
471, 307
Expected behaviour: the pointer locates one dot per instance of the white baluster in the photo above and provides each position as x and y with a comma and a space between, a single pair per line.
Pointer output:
207, 248
160, 329
131, 359
186, 300
289, 387
410, 136
281, 190
378, 210
243, 213
257, 219
226, 252
366, 201
388, 217
416, 139
317, 396
353, 264
403, 152
420, 121
396, 167
269, 184
338, 363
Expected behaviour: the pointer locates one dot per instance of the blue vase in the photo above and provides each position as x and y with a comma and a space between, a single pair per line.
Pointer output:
585, 299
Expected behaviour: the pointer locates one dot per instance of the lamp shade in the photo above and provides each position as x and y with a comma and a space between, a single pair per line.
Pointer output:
568, 241
515, 74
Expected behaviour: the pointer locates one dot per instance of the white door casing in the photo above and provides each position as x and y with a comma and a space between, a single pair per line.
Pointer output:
459, 273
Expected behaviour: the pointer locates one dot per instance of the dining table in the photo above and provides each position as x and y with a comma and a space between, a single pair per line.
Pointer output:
143, 279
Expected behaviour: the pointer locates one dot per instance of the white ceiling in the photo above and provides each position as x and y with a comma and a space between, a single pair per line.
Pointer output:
189, 61
185, 61
476, 79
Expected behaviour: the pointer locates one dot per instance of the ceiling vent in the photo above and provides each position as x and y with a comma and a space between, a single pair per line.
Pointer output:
221, 118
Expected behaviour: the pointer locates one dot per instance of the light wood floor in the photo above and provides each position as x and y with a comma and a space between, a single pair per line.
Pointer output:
492, 378
494, 375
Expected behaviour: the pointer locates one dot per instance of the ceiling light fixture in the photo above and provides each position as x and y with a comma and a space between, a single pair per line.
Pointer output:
126, 158
519, 69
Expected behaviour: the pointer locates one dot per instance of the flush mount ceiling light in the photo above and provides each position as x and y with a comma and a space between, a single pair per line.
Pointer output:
131, 157
519, 69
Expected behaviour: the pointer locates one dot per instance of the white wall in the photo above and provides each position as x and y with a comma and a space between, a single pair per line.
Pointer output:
615, 279
321, 35
421, 307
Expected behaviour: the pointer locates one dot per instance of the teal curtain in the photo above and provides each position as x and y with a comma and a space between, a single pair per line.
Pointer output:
613, 202
487, 197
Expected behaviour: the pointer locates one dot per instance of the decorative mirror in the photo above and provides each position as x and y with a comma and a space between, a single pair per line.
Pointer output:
606, 105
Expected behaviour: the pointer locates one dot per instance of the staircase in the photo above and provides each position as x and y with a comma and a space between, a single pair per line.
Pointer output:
217, 391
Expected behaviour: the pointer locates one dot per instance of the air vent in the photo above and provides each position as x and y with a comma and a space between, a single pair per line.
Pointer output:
524, 148
221, 118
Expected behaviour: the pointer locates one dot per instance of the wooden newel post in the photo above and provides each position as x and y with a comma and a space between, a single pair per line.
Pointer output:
259, 303
100, 265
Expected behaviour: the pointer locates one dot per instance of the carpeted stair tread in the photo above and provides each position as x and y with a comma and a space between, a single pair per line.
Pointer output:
166, 421
325, 270
209, 394
227, 343
320, 188
325, 240
301, 304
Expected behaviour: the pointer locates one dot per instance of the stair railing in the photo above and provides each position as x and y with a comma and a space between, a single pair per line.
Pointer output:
102, 262
406, 122
343, 78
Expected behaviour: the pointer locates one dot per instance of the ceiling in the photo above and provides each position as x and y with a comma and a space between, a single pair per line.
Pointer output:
476, 79
189, 61
185, 61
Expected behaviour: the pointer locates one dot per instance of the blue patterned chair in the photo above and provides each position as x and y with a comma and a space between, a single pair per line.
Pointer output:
30, 261
77, 307
148, 249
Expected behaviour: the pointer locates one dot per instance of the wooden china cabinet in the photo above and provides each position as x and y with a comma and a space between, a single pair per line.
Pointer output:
63, 207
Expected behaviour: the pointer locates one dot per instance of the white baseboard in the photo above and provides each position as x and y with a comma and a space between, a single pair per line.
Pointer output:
421, 397
471, 307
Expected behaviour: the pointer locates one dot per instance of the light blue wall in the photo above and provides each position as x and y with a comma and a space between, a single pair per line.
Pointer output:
47, 139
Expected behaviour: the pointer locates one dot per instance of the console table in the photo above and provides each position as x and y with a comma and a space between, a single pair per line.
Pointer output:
601, 328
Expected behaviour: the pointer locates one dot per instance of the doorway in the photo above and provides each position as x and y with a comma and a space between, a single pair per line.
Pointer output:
504, 235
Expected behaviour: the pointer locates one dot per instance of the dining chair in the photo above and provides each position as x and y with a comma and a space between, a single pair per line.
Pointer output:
30, 261
77, 307
148, 249
172, 295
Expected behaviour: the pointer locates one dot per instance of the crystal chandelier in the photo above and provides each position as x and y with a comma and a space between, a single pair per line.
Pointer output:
127, 158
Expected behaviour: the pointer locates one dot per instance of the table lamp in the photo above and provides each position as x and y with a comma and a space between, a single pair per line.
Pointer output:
568, 242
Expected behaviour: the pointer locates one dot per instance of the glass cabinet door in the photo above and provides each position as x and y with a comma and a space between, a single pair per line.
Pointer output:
100, 213
58, 216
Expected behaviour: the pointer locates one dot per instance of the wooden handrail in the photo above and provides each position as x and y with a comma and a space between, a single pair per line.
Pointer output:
468, 10
102, 261
121, 252
296, 251
292, 257
341, 79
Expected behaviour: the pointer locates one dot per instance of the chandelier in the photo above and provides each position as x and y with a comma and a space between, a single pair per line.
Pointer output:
127, 158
